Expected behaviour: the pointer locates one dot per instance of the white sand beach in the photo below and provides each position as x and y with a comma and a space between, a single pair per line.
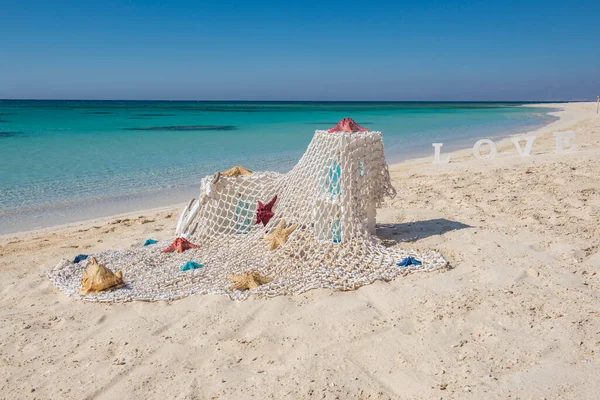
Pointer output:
516, 316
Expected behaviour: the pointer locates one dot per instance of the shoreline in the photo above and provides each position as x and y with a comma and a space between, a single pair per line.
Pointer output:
454, 150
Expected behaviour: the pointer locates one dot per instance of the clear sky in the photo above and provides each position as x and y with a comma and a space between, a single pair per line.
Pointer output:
304, 50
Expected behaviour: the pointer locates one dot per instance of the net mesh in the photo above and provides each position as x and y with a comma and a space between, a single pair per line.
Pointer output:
330, 197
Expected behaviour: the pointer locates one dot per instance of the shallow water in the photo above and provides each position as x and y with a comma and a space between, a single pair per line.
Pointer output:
63, 161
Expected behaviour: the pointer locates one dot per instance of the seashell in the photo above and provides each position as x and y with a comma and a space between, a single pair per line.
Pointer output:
97, 278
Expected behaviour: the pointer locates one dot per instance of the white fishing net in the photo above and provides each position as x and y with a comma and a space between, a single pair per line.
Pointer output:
330, 197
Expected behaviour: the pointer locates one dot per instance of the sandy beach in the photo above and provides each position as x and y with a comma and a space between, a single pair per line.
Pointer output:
516, 316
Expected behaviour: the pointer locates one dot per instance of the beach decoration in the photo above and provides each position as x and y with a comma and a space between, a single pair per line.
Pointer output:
264, 213
408, 262
238, 170
249, 280
347, 125
528, 144
148, 242
562, 139
280, 235
329, 199
477, 149
97, 278
181, 245
436, 154
335, 179
191, 265
184, 223
243, 220
80, 258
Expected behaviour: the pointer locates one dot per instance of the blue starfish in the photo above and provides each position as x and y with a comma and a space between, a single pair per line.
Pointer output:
150, 241
80, 257
191, 265
408, 261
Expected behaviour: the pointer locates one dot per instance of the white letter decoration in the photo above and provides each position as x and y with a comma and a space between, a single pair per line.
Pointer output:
436, 158
477, 152
530, 140
559, 140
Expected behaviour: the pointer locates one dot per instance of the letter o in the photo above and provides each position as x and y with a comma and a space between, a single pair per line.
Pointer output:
477, 152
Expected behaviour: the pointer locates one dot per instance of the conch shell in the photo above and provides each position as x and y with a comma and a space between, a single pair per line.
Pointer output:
97, 278
249, 280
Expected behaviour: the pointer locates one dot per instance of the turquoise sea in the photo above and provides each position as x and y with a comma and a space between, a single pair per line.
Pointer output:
63, 161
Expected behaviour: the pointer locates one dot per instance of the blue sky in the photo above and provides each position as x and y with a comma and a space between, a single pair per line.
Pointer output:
305, 50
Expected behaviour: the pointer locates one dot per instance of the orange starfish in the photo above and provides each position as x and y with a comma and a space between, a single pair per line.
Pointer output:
249, 280
181, 245
279, 235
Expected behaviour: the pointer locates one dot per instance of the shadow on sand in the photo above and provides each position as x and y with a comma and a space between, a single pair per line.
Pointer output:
391, 234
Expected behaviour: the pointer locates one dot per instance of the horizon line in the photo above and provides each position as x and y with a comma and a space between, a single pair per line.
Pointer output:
317, 101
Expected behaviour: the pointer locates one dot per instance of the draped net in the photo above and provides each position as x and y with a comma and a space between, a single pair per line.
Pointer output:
331, 196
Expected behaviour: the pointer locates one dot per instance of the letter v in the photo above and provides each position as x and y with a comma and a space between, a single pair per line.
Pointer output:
528, 145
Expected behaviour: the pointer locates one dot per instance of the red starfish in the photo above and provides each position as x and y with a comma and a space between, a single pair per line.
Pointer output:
264, 213
348, 125
181, 245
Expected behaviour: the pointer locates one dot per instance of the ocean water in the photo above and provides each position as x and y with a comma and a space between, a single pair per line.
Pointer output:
63, 161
